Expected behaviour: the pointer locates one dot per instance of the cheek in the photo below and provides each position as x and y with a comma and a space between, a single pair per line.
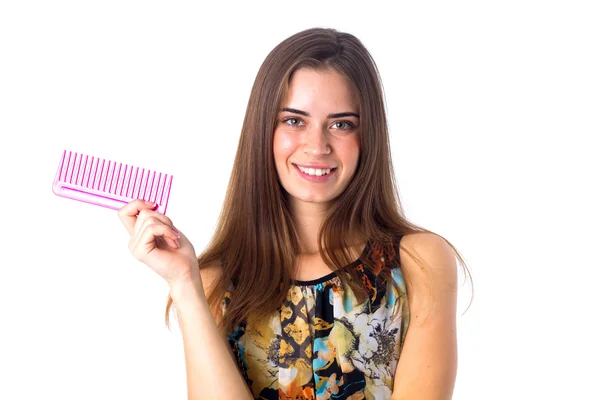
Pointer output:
283, 145
350, 150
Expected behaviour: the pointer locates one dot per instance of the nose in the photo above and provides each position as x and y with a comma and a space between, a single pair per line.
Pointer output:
316, 143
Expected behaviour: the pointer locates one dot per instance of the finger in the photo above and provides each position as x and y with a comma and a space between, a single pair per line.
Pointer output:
147, 240
170, 240
172, 243
128, 213
147, 218
146, 214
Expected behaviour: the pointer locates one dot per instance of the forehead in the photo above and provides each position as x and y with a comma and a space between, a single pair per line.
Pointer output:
328, 89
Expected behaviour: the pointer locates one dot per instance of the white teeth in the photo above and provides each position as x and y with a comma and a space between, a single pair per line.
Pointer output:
315, 171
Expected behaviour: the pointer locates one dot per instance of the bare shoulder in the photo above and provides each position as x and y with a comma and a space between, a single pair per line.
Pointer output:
426, 242
210, 275
429, 264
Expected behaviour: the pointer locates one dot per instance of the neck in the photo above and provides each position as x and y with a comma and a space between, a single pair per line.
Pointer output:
308, 218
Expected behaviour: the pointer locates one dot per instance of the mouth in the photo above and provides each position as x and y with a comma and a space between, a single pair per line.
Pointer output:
315, 174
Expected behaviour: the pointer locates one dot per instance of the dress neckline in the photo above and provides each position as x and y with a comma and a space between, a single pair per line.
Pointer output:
333, 274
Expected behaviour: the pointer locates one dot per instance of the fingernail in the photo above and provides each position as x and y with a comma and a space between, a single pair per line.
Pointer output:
176, 232
149, 203
177, 243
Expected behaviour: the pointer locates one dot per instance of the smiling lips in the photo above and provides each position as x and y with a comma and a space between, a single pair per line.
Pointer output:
315, 173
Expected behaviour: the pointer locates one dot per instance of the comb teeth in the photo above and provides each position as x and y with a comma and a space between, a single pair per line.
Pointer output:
108, 183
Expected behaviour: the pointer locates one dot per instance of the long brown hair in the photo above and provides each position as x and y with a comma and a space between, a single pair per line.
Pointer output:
255, 240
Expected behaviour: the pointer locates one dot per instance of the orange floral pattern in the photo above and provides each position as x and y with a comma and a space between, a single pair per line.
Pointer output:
322, 344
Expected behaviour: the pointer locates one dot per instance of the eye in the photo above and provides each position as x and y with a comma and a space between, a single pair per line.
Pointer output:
285, 121
349, 124
342, 125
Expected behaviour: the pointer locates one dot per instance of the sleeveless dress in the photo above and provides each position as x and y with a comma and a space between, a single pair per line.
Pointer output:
322, 344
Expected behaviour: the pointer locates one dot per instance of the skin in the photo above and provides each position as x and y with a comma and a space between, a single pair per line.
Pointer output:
427, 367
428, 363
304, 140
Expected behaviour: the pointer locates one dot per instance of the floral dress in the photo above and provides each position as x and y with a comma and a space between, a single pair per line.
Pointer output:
322, 344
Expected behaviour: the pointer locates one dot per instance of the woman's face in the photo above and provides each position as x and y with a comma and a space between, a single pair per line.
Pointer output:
316, 143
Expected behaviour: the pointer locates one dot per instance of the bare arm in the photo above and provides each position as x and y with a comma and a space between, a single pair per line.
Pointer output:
428, 362
210, 368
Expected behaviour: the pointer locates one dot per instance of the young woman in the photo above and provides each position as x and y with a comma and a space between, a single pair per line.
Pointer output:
315, 285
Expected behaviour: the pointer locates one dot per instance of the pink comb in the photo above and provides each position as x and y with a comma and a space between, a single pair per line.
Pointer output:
109, 184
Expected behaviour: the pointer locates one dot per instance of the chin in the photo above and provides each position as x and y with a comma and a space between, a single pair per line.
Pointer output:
311, 198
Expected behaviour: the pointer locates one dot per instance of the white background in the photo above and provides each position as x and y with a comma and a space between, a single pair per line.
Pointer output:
494, 119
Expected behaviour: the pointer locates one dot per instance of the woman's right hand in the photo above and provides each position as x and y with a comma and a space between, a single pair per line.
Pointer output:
155, 242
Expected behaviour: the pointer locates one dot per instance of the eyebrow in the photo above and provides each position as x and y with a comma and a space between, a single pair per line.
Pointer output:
336, 115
